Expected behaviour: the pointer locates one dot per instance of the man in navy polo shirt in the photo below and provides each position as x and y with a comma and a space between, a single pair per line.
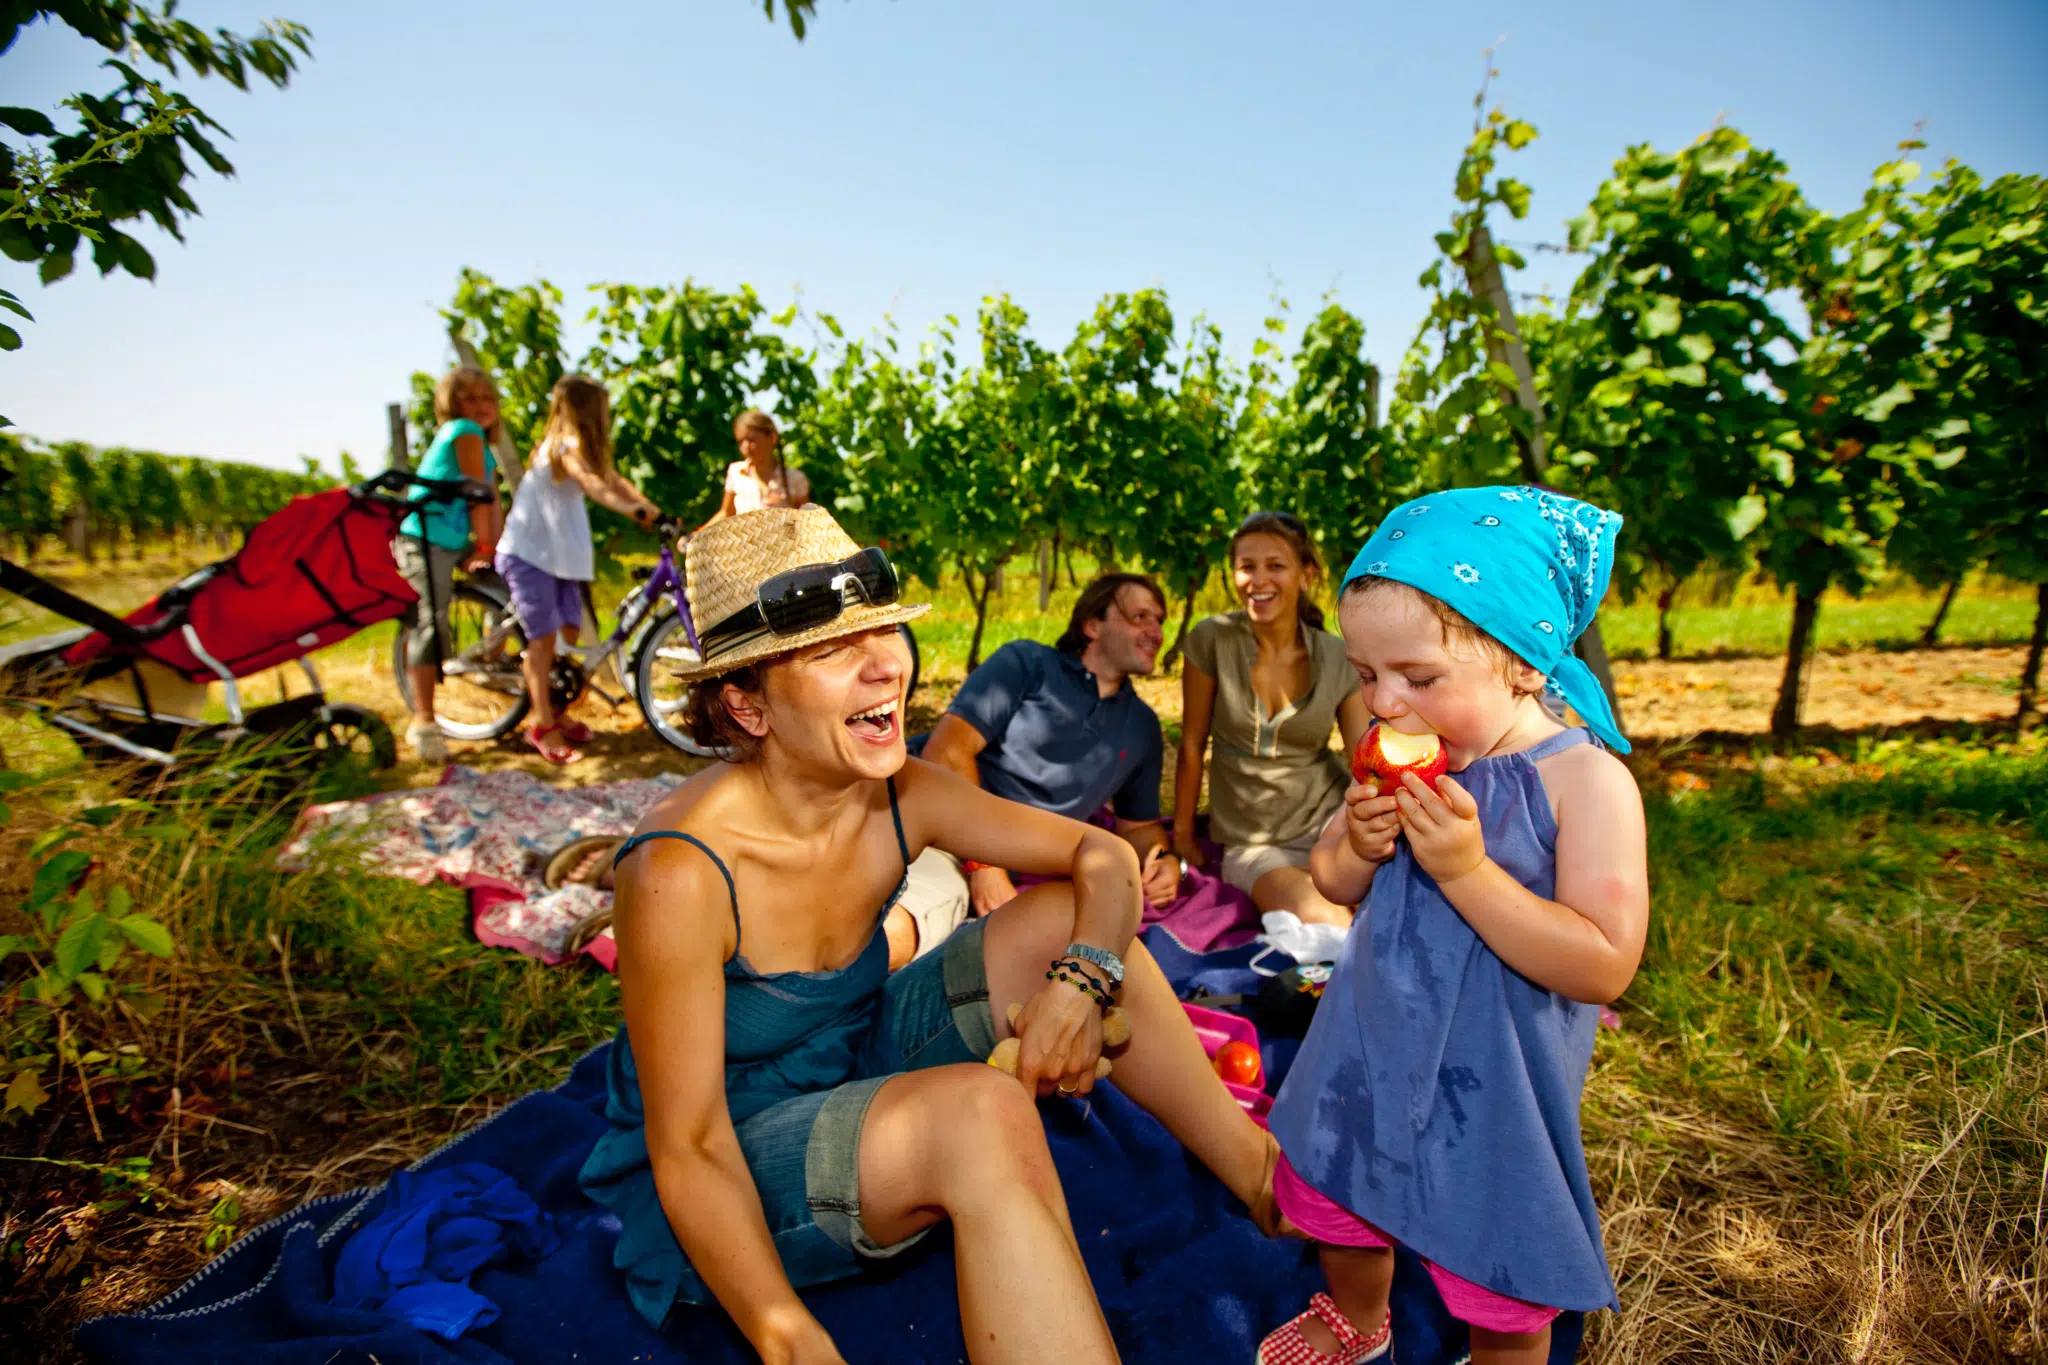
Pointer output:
1058, 727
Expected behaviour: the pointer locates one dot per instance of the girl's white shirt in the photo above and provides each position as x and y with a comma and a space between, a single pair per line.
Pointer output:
549, 526
751, 494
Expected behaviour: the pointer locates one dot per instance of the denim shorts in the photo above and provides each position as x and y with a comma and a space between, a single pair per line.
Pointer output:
803, 1152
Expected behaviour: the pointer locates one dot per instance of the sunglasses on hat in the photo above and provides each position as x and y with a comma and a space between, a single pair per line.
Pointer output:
807, 597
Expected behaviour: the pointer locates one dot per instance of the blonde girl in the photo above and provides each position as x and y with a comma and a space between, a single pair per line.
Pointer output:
546, 557
759, 478
433, 541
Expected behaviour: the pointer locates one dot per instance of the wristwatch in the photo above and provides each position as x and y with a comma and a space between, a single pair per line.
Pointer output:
1111, 964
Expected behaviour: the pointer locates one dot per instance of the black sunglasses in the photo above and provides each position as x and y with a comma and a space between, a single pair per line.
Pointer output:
804, 598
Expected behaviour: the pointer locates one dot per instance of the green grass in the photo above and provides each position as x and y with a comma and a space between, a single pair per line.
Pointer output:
1825, 1088
1979, 617
1822, 1114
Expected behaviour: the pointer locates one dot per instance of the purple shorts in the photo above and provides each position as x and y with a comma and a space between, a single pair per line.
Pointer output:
543, 602
1325, 1220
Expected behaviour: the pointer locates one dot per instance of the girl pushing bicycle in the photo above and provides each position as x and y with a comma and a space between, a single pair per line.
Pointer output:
545, 555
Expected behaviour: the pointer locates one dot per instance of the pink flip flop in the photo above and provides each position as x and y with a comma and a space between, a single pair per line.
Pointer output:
558, 752
1286, 1345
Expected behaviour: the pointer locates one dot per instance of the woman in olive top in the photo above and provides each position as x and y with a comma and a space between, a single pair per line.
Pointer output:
441, 535
1266, 683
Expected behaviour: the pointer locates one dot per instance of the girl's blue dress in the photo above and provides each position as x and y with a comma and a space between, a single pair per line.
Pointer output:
1437, 1093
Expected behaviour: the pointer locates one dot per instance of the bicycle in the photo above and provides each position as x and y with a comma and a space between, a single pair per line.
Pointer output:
482, 694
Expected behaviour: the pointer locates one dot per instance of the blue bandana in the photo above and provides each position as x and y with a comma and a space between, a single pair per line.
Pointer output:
1525, 565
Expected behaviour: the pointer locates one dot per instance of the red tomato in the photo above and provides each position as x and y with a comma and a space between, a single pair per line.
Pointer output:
1238, 1063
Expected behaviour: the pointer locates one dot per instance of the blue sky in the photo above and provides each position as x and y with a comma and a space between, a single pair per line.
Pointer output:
914, 155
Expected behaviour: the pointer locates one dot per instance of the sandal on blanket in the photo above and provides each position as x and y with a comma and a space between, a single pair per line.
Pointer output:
586, 930
1287, 1345
573, 863
550, 744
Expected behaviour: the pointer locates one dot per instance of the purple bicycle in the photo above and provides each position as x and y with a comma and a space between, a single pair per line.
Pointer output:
483, 691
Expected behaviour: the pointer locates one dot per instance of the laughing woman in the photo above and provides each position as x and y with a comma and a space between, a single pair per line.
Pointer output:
784, 1111
1259, 694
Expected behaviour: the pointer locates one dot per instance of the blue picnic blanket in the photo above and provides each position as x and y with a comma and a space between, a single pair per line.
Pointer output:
1181, 1273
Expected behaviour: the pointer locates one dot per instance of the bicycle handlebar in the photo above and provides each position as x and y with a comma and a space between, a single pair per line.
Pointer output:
393, 481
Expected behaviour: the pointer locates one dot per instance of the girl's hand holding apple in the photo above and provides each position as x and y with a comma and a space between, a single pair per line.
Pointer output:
1371, 822
1442, 827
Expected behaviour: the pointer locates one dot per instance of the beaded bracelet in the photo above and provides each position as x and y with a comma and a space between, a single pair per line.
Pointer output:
1061, 971
1093, 972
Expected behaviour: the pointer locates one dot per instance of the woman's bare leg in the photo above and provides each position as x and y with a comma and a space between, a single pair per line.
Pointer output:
1163, 1068
966, 1143
1292, 889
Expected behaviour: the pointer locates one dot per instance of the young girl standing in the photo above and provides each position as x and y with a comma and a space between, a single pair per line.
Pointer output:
759, 478
1435, 1102
546, 557
441, 536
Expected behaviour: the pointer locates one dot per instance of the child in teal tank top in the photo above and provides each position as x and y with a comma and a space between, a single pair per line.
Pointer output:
442, 536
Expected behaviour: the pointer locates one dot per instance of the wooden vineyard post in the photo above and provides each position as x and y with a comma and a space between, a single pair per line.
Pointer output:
1504, 346
401, 456
1047, 570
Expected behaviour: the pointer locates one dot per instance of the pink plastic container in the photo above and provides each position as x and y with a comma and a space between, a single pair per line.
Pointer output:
1215, 1028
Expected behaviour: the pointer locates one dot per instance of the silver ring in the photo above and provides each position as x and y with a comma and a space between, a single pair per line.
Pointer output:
1069, 1089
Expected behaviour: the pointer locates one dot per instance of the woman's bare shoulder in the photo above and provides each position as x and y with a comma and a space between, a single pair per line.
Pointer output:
670, 896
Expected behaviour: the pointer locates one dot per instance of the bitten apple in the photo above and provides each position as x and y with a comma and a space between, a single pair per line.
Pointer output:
1384, 754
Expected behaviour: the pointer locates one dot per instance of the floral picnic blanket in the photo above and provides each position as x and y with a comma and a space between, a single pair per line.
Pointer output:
491, 833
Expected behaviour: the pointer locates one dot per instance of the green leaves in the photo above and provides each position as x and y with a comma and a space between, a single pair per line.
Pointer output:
125, 157
146, 934
1662, 317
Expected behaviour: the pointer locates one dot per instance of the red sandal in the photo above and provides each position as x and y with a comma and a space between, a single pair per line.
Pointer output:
575, 731
1286, 1345
557, 753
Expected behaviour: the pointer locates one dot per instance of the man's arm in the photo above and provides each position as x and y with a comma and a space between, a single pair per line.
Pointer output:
953, 746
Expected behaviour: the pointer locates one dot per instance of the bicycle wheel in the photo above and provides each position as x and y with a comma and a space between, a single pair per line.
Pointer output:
482, 693
354, 734
625, 659
663, 698
916, 662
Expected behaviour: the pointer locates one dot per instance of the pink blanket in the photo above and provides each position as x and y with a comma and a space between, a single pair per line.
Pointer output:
491, 833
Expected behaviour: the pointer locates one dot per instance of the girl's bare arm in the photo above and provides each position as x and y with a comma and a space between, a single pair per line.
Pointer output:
1197, 711
1587, 941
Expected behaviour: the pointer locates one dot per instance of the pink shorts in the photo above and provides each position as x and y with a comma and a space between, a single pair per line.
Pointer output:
1329, 1222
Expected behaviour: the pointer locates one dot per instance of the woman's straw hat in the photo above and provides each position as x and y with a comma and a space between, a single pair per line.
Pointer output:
728, 561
